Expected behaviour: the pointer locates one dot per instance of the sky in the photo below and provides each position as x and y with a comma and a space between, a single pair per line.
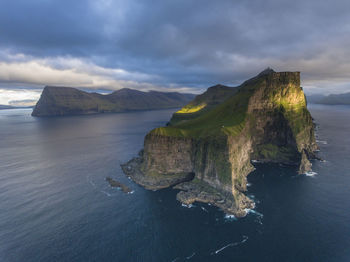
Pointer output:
178, 45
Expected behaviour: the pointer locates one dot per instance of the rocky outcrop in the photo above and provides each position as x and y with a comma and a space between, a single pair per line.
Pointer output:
265, 120
57, 101
117, 184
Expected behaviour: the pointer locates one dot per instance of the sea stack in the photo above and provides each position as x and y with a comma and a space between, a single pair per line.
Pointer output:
207, 149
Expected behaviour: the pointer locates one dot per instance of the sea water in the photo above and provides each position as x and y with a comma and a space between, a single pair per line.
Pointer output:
55, 204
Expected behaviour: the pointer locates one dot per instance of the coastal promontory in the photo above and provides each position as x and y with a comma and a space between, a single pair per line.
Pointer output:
207, 148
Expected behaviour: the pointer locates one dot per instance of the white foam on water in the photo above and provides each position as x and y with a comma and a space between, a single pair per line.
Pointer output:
188, 206
255, 161
322, 142
230, 217
203, 208
311, 173
189, 257
249, 184
176, 259
252, 211
131, 192
245, 238
251, 196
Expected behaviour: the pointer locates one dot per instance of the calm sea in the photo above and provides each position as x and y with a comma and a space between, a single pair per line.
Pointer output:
55, 204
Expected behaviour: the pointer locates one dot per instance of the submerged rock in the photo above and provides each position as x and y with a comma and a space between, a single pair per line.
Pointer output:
212, 141
115, 183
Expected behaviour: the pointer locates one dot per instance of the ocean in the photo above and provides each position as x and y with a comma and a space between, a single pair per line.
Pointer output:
55, 204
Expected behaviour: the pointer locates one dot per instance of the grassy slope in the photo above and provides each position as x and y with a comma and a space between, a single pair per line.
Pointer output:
226, 118
203, 103
230, 116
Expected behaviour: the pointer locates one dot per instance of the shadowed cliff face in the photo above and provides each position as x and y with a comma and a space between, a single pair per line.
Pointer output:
56, 101
265, 120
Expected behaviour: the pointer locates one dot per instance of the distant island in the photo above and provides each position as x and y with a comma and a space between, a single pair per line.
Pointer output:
59, 101
207, 148
333, 99
13, 107
6, 107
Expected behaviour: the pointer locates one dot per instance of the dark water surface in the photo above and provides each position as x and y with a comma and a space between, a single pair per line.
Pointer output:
55, 204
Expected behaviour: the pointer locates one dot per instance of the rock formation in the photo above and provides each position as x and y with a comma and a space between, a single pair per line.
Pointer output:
207, 151
57, 101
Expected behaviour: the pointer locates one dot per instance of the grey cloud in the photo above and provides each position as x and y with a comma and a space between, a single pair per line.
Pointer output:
186, 42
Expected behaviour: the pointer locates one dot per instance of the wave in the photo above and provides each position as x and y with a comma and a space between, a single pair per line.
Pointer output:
189, 257
252, 211
259, 216
204, 209
323, 142
245, 238
311, 173
251, 196
230, 217
188, 206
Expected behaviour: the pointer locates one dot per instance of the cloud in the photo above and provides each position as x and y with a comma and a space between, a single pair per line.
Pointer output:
184, 44
6, 96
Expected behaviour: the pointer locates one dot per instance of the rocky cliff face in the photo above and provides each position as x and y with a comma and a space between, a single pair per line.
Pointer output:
57, 101
265, 120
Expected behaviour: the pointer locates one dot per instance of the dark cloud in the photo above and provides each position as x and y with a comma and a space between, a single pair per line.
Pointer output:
183, 43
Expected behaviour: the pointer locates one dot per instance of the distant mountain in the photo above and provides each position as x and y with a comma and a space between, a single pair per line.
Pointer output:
338, 99
314, 99
13, 107
6, 107
58, 101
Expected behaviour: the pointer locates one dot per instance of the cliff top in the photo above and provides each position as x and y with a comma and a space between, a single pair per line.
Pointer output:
280, 89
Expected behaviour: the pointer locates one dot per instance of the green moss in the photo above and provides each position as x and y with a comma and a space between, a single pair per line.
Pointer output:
275, 153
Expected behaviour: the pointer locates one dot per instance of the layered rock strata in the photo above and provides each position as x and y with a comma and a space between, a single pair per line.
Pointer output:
208, 157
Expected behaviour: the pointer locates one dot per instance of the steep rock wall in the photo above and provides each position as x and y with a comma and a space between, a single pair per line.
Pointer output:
267, 120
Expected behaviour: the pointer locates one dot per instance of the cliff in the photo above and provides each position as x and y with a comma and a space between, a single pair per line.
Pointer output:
56, 101
209, 155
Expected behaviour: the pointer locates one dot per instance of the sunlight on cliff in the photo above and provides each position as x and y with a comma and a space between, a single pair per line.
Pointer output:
191, 109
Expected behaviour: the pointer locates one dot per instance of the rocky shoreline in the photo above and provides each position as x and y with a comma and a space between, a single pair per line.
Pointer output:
191, 189
199, 191
152, 182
